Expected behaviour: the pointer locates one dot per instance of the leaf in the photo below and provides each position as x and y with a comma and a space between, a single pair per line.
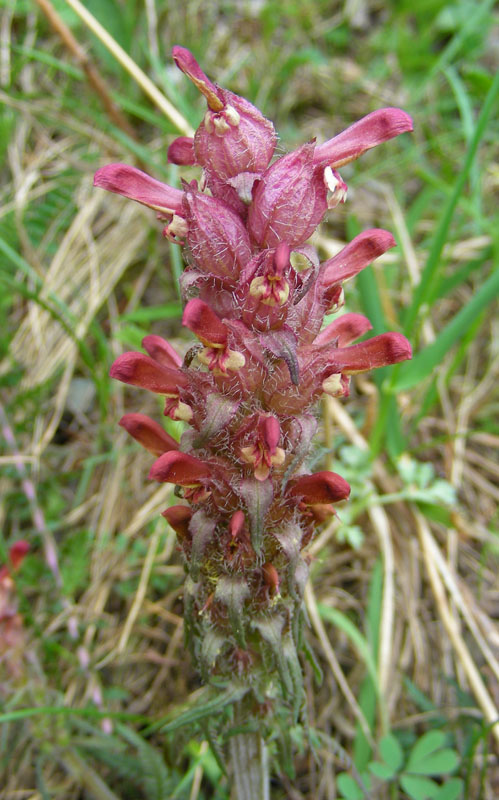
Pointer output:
391, 751
207, 703
348, 787
358, 640
450, 790
380, 770
156, 779
257, 496
425, 745
418, 788
437, 763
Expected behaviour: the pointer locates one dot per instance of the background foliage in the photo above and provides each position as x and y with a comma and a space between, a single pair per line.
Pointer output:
404, 606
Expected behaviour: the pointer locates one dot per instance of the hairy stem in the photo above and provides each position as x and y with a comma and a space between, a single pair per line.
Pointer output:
250, 766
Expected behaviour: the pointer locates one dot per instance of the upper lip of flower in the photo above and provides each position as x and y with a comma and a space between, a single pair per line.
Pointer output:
371, 130
137, 185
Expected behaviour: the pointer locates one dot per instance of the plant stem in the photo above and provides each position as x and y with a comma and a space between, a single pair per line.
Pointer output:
250, 767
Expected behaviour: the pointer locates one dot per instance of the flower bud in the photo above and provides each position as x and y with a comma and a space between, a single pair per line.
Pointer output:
233, 136
263, 453
267, 287
179, 517
181, 151
289, 201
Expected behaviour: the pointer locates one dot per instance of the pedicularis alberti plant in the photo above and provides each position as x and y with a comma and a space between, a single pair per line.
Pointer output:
247, 389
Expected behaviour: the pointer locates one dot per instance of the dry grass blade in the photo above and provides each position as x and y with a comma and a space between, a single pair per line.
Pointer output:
83, 273
333, 662
131, 67
490, 711
94, 77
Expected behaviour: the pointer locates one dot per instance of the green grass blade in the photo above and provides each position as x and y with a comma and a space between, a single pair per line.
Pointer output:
429, 277
412, 372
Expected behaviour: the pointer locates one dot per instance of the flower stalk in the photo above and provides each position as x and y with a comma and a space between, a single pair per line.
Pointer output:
247, 391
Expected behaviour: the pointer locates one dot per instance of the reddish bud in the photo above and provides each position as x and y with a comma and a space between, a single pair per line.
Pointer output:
375, 128
271, 578
137, 185
289, 201
237, 524
179, 517
148, 433
18, 552
319, 488
181, 151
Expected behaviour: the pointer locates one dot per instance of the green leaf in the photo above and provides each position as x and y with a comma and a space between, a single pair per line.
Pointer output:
391, 751
437, 763
425, 746
207, 703
429, 277
450, 790
358, 640
380, 770
419, 788
348, 787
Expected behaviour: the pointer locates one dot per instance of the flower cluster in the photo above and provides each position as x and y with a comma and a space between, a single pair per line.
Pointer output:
247, 389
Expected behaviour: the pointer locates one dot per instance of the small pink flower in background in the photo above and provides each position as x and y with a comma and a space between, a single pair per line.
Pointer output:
248, 388
12, 634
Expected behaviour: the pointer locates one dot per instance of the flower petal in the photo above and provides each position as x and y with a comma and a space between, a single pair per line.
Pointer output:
321, 487
140, 370
380, 351
186, 62
202, 321
137, 185
162, 351
344, 330
179, 468
148, 433
359, 253
375, 128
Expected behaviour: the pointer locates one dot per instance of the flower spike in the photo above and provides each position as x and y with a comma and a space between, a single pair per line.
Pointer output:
255, 301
